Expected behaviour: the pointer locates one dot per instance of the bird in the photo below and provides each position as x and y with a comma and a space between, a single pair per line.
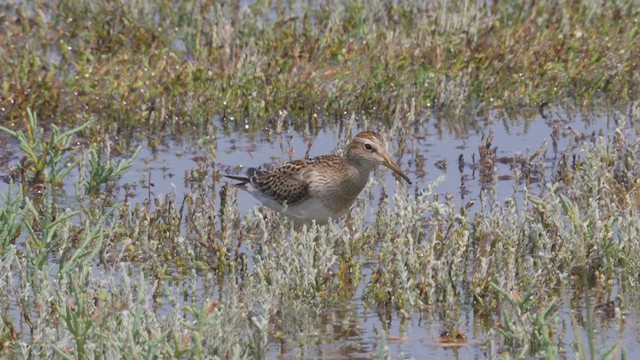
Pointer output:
320, 188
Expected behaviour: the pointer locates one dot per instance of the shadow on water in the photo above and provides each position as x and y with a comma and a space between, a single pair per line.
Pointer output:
498, 156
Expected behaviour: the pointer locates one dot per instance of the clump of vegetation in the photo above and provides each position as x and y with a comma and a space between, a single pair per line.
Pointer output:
181, 278
103, 171
156, 65
45, 159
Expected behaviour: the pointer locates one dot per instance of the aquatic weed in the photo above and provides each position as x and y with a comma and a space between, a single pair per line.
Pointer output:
101, 171
45, 159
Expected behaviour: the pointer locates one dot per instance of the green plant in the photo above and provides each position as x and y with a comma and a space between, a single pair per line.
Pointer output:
43, 230
77, 317
102, 171
531, 327
589, 351
44, 159
88, 248
11, 217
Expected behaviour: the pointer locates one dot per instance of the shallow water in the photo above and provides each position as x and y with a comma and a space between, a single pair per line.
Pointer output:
165, 167
354, 331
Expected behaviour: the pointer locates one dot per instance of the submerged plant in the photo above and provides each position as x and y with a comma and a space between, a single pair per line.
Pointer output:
587, 318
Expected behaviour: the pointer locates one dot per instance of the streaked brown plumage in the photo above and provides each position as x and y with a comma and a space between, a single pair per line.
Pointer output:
322, 187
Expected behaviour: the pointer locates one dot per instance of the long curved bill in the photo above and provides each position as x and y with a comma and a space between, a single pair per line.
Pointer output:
396, 169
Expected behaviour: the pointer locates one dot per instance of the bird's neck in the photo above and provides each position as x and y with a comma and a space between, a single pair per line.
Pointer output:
359, 163
358, 170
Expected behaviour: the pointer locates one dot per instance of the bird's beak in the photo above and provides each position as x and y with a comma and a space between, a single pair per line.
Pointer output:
393, 166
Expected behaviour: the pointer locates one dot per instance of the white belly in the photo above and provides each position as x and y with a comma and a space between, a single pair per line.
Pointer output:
313, 208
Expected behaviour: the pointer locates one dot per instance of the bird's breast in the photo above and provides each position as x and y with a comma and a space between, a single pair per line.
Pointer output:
338, 193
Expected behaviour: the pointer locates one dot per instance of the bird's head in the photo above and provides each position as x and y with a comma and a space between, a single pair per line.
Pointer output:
369, 149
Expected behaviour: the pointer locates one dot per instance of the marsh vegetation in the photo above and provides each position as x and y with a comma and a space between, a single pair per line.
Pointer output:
119, 239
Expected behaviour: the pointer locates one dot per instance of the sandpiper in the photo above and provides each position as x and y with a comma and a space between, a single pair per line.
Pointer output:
323, 187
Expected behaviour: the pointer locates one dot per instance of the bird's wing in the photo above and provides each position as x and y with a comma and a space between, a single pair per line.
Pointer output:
285, 184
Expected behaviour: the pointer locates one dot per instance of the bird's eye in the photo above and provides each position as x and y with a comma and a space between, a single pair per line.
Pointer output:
368, 147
